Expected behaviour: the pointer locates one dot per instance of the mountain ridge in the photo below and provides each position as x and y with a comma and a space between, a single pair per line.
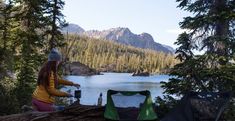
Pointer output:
121, 35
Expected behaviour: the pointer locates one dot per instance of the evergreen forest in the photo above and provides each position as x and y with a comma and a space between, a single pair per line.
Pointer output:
105, 55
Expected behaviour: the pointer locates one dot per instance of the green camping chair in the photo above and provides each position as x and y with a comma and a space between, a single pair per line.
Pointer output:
143, 111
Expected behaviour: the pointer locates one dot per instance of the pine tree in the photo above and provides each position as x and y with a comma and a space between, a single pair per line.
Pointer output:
31, 21
7, 82
7, 26
55, 22
210, 29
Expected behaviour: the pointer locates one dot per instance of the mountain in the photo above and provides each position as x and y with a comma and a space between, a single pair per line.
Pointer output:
123, 36
169, 48
73, 28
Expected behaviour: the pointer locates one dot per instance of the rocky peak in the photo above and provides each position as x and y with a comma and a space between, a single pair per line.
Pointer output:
146, 37
119, 31
73, 28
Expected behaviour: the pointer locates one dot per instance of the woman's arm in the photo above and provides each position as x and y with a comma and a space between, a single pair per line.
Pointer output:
55, 92
65, 82
69, 83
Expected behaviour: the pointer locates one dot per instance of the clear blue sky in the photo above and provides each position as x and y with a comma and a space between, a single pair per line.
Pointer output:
160, 18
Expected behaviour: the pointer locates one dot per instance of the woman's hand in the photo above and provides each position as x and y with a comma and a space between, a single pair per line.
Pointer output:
76, 85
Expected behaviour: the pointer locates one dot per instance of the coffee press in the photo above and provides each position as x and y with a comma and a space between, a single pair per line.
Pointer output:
77, 95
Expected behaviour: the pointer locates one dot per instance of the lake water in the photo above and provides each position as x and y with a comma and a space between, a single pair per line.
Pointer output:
92, 86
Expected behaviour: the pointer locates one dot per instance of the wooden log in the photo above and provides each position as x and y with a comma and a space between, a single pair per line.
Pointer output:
74, 112
71, 113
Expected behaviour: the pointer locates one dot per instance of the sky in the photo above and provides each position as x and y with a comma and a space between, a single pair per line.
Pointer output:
160, 18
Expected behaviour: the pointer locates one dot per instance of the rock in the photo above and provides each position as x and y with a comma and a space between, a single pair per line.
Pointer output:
79, 69
140, 73
108, 68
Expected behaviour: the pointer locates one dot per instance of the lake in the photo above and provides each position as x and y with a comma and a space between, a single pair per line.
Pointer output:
92, 86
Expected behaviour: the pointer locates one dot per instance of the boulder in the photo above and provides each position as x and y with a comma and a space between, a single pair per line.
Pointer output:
79, 69
140, 73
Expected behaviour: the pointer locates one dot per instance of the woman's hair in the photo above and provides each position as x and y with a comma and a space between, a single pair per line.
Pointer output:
45, 72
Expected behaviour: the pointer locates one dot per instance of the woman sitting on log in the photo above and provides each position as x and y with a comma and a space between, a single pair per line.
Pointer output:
43, 97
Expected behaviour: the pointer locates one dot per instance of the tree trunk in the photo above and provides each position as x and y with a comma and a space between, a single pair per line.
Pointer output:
222, 29
54, 29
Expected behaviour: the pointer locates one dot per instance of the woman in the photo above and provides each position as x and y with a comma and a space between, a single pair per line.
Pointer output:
43, 96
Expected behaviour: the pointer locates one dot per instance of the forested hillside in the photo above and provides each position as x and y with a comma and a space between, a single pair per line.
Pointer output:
110, 56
